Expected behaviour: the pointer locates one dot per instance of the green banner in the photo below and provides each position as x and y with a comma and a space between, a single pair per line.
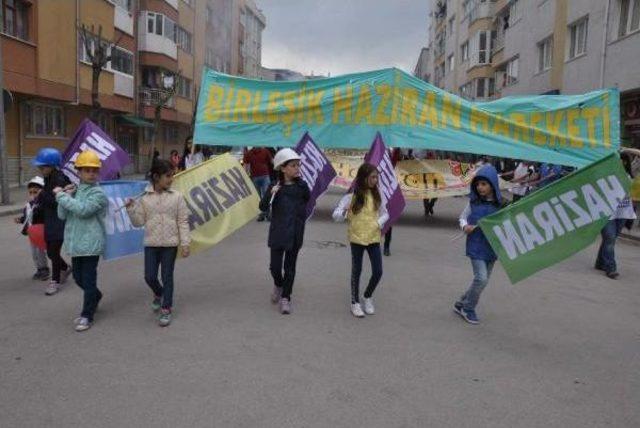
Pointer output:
346, 112
557, 221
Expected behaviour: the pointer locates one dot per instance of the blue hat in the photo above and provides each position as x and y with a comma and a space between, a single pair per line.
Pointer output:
47, 157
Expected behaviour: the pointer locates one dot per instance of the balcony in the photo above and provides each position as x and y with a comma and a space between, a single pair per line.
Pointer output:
151, 97
479, 11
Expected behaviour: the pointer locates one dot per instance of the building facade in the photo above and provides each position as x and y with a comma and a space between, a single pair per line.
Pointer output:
485, 49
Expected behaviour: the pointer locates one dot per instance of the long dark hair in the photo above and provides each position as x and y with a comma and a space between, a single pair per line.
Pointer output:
159, 167
361, 187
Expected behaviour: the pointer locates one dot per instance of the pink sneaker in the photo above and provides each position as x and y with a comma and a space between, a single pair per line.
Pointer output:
285, 306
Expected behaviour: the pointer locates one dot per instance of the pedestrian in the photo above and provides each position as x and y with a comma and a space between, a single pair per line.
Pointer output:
48, 161
32, 215
484, 199
287, 200
259, 160
396, 156
366, 214
163, 213
522, 175
175, 160
84, 208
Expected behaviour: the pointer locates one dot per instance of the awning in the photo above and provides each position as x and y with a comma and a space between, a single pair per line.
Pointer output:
135, 121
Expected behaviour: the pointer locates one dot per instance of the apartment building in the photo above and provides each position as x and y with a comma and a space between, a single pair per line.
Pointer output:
252, 23
485, 49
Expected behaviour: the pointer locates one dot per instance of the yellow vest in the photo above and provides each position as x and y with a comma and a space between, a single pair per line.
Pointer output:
363, 227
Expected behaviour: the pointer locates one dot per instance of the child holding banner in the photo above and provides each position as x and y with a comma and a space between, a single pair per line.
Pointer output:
484, 199
366, 215
287, 200
84, 209
32, 220
163, 213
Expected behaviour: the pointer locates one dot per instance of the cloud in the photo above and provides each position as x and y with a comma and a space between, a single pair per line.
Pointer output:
343, 36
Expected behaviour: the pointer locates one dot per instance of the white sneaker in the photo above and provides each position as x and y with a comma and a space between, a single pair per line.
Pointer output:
83, 324
52, 288
369, 309
356, 310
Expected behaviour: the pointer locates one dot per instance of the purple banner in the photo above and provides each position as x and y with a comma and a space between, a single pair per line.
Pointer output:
89, 136
315, 169
390, 191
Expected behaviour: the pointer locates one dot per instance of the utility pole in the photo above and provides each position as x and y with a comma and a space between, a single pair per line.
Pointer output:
4, 172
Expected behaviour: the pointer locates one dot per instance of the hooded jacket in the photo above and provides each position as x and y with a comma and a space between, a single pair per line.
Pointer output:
477, 245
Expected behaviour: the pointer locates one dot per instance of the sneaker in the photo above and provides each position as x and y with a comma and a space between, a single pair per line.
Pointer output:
82, 324
356, 310
261, 217
156, 304
52, 288
45, 274
285, 306
612, 275
64, 274
276, 294
165, 317
387, 252
469, 316
457, 308
369, 309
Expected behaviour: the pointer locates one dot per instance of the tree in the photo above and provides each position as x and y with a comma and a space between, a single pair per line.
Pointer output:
164, 96
99, 53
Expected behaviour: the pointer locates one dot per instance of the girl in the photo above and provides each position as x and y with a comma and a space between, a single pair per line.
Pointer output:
484, 199
366, 215
31, 216
164, 214
48, 161
287, 199
84, 209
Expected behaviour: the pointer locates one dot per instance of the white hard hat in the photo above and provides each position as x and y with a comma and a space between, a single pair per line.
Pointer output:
283, 156
37, 180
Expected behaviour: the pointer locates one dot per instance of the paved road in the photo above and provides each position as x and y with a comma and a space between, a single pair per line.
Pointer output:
559, 350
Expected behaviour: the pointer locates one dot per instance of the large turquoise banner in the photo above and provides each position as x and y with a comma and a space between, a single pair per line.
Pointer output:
347, 111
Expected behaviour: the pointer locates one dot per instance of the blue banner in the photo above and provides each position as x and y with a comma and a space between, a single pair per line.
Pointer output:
123, 239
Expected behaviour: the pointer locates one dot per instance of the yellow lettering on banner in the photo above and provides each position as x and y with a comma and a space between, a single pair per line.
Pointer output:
258, 116
213, 108
521, 131
450, 112
479, 119
342, 103
554, 122
539, 137
289, 114
429, 111
272, 106
363, 107
409, 106
589, 114
500, 127
300, 113
573, 130
243, 106
606, 126
228, 105
315, 107
385, 93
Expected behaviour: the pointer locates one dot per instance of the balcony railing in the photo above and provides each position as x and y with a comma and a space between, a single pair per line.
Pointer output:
152, 97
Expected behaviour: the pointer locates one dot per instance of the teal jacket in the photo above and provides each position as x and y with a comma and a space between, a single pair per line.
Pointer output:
84, 212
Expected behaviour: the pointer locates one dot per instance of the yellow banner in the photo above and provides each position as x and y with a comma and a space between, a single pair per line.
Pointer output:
419, 179
221, 199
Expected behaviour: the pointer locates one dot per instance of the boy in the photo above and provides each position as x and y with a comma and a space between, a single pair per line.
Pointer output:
32, 215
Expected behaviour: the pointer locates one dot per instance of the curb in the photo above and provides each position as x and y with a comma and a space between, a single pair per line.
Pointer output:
10, 211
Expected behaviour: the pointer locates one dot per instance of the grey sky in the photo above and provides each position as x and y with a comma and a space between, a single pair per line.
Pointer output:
343, 36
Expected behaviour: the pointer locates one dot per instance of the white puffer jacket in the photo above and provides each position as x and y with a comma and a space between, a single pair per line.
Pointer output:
164, 216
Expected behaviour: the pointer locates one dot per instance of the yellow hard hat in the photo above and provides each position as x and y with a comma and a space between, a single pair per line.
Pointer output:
88, 159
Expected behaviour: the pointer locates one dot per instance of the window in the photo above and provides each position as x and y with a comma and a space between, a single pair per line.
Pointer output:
451, 62
124, 4
209, 57
464, 52
467, 6
105, 121
512, 72
545, 54
82, 53
122, 61
514, 12
480, 48
44, 120
578, 38
209, 15
629, 17
452, 22
15, 18
161, 25
485, 87
183, 39
170, 133
184, 87
465, 90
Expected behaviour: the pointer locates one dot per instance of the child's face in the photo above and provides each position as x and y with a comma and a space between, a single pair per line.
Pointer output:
291, 170
164, 181
89, 175
484, 188
46, 170
33, 192
372, 180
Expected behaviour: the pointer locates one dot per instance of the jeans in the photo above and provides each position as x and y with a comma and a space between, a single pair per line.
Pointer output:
165, 259
57, 262
283, 259
606, 254
262, 185
85, 273
357, 252
39, 258
481, 273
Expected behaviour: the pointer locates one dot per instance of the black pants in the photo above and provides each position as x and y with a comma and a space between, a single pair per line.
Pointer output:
165, 259
284, 260
428, 205
357, 253
57, 262
85, 273
387, 239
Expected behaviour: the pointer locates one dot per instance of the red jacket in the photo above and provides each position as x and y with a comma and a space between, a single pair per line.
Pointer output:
259, 160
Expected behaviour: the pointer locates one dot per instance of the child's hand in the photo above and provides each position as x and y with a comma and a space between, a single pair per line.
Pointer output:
57, 190
17, 220
468, 229
70, 189
275, 189
185, 252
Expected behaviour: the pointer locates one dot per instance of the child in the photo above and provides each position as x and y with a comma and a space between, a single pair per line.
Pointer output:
366, 215
484, 199
287, 200
48, 161
164, 214
32, 215
84, 209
